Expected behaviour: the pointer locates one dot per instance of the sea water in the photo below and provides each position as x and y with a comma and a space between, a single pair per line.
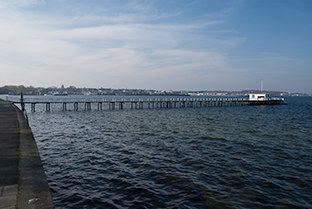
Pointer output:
209, 157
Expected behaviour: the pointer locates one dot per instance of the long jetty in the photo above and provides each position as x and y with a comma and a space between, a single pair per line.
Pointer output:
23, 183
153, 103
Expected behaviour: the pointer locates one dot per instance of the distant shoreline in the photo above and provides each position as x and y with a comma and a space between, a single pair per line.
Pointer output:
71, 90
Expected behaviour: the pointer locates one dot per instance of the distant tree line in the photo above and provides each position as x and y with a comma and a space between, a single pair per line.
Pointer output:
30, 90
72, 90
17, 89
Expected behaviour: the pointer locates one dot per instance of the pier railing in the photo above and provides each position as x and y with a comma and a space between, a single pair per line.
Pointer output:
150, 103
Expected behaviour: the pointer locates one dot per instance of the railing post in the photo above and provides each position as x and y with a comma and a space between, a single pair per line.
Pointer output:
22, 102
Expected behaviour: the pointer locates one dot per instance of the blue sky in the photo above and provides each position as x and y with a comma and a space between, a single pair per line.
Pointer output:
159, 44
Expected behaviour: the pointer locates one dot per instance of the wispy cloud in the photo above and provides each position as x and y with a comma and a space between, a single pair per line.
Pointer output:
119, 45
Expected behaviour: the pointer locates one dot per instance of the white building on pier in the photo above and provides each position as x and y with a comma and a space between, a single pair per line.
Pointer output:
259, 97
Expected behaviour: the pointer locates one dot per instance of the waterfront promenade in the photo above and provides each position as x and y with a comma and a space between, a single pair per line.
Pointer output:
23, 182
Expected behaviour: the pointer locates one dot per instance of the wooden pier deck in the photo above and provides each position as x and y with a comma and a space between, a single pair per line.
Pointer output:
152, 103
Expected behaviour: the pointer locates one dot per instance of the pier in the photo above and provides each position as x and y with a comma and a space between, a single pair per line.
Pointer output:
150, 103
23, 183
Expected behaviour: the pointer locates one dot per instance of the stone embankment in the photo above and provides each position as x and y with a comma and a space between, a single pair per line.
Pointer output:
23, 183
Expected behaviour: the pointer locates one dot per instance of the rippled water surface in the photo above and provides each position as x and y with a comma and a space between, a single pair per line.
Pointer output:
215, 157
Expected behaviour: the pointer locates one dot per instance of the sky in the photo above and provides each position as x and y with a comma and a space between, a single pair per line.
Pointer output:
157, 44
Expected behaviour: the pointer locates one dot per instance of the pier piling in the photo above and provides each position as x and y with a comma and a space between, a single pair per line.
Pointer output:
48, 107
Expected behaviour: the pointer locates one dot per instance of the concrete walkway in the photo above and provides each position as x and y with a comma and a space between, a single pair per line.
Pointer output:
23, 182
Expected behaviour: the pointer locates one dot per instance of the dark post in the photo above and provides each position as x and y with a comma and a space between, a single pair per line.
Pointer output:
22, 102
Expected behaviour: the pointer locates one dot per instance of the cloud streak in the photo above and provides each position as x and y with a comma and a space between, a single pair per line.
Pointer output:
125, 46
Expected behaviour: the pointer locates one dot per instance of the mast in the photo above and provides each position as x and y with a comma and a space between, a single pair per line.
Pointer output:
261, 88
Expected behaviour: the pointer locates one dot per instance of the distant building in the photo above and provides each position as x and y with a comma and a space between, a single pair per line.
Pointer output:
259, 97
